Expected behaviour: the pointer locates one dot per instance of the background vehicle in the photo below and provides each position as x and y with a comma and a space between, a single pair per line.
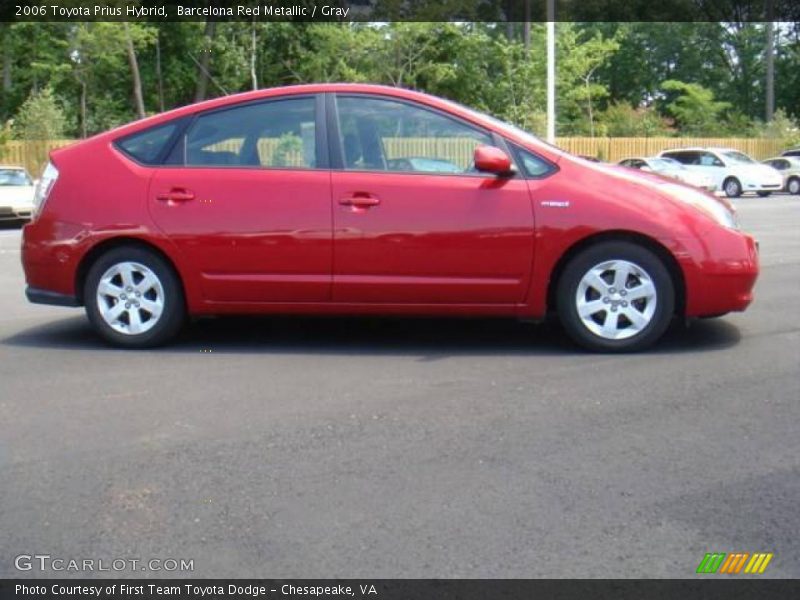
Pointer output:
670, 168
791, 152
732, 171
789, 167
16, 194
300, 200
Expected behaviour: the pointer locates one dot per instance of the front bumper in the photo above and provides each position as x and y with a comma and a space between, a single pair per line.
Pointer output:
721, 273
16, 213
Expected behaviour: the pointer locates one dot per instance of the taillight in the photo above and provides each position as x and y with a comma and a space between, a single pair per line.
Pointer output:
43, 188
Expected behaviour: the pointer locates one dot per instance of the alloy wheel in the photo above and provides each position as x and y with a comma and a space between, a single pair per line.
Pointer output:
616, 299
130, 298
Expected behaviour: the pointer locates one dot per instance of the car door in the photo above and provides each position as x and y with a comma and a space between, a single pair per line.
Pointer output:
712, 165
249, 202
414, 223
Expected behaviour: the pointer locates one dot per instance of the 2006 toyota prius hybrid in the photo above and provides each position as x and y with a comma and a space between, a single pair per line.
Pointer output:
362, 199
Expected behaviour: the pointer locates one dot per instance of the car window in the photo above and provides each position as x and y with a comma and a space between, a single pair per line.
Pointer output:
14, 177
709, 160
386, 135
686, 158
534, 166
794, 152
738, 157
277, 134
146, 146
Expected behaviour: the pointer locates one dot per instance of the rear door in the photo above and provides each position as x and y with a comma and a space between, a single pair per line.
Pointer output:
248, 202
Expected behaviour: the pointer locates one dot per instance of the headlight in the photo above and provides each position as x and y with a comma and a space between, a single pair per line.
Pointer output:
712, 207
43, 188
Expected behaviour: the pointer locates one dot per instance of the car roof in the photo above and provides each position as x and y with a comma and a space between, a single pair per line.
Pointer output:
14, 167
290, 90
792, 159
702, 148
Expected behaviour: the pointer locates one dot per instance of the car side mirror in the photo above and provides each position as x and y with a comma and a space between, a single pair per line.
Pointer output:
489, 159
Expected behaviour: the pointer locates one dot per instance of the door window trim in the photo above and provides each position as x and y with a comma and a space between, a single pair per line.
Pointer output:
178, 145
336, 151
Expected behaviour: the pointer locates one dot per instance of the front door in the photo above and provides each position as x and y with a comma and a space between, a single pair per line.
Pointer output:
248, 206
414, 223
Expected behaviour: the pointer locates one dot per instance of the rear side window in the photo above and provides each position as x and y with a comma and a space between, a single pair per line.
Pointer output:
686, 158
146, 146
276, 134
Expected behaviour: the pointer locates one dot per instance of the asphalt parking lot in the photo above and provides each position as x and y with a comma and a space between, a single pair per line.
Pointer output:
406, 448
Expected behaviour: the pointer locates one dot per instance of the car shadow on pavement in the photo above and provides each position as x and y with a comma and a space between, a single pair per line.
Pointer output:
432, 338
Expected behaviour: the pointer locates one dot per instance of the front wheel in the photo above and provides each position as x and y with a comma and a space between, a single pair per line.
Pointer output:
616, 297
133, 298
732, 187
793, 186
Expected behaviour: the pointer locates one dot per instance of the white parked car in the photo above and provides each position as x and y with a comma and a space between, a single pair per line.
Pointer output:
789, 167
670, 168
732, 171
16, 194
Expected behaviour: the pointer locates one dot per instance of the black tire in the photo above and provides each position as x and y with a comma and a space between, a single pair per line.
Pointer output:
580, 265
172, 316
732, 187
763, 194
793, 186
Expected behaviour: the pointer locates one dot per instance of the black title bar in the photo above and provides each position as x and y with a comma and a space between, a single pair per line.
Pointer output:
715, 588
401, 10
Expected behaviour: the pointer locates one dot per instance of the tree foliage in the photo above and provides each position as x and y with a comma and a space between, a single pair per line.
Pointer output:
612, 77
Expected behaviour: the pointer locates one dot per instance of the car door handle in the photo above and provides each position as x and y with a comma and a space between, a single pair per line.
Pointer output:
359, 200
176, 195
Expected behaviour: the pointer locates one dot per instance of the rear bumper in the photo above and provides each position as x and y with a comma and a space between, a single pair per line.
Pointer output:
39, 296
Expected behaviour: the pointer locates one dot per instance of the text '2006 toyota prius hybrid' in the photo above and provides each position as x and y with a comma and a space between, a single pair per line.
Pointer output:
362, 199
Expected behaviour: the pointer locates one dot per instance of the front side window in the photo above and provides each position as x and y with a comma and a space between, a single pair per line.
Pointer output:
709, 160
276, 134
387, 135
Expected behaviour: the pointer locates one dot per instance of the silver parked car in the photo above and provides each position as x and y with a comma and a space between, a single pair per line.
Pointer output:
16, 194
670, 168
789, 167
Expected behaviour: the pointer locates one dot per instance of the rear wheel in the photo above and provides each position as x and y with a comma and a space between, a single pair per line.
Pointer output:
616, 297
133, 298
793, 186
732, 187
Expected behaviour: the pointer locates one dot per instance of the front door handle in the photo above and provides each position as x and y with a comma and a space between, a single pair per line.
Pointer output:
176, 195
360, 200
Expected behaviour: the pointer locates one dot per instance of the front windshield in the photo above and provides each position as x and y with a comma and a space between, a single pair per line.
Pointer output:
738, 157
527, 136
14, 177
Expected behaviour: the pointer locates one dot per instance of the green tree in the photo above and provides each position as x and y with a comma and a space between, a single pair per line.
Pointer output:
694, 107
40, 117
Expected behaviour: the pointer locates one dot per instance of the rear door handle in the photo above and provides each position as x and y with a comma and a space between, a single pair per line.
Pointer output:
360, 200
176, 195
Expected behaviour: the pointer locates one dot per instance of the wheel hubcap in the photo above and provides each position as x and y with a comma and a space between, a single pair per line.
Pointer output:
616, 299
130, 298
794, 187
731, 188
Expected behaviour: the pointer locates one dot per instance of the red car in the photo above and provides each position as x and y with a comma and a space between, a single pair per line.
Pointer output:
362, 199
